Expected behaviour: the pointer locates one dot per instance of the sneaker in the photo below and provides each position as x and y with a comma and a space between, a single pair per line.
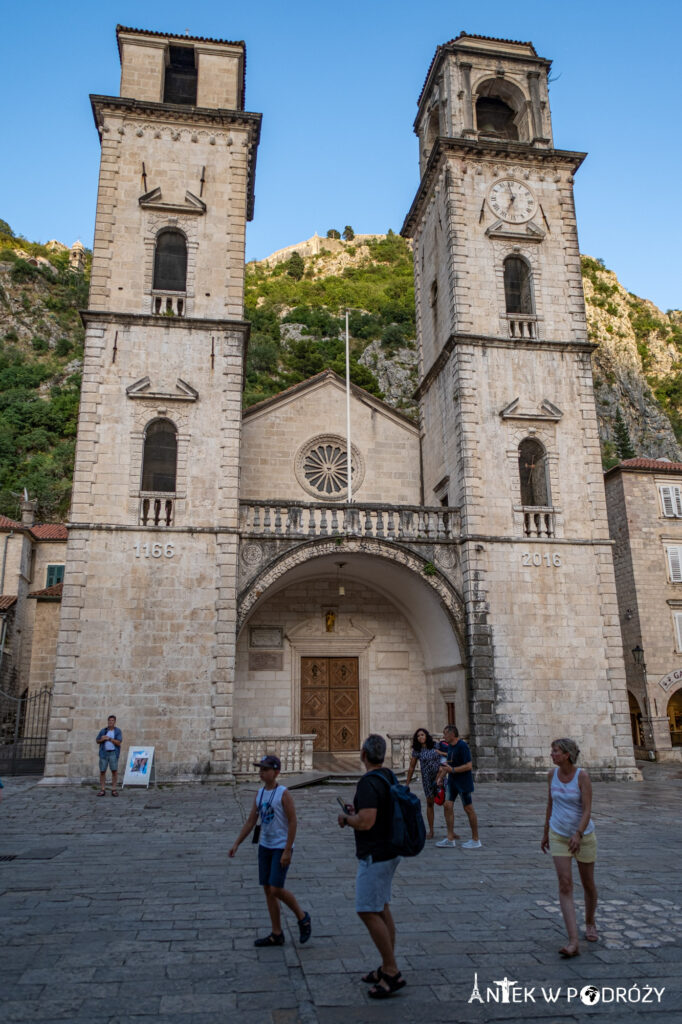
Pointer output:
271, 940
304, 928
447, 842
472, 844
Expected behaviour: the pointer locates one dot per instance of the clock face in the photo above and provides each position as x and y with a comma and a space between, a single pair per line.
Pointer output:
512, 201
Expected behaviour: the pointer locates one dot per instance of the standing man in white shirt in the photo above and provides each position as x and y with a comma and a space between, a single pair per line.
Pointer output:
109, 742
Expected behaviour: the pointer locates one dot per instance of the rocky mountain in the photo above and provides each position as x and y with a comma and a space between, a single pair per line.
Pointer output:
296, 308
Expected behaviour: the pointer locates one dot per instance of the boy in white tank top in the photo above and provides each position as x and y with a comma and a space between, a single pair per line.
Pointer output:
275, 839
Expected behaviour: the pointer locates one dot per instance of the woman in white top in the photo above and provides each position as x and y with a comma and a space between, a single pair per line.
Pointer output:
569, 832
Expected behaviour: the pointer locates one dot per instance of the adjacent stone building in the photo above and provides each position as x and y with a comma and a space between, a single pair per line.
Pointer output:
644, 501
223, 594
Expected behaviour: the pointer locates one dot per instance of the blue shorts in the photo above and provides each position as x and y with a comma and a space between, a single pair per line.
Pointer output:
451, 793
373, 884
108, 759
270, 871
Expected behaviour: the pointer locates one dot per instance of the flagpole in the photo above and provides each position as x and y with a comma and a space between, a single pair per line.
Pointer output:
348, 448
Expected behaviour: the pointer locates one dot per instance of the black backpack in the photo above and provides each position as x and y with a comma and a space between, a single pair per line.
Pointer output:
408, 832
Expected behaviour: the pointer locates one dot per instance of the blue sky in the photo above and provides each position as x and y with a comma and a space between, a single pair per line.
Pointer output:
337, 85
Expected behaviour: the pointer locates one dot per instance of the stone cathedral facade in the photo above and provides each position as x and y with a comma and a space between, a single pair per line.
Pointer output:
221, 594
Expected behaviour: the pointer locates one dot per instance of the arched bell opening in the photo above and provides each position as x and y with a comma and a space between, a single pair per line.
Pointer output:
501, 111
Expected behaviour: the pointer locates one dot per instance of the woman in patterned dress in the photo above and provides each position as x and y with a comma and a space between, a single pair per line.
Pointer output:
424, 751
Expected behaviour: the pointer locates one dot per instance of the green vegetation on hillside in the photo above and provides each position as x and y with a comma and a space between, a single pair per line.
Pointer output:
41, 344
378, 289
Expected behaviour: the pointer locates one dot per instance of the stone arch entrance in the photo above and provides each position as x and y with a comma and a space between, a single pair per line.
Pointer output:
399, 620
674, 712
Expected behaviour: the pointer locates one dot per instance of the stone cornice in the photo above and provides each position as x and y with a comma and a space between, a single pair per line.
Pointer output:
195, 116
489, 341
513, 152
105, 316
176, 112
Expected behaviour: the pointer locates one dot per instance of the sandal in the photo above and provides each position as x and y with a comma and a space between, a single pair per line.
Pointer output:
393, 982
373, 977
304, 928
114, 792
567, 953
102, 792
271, 940
591, 933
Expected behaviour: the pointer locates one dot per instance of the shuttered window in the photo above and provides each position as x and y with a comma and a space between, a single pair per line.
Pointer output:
55, 574
675, 563
671, 501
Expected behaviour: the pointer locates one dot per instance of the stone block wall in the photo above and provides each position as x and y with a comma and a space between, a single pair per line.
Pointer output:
43, 645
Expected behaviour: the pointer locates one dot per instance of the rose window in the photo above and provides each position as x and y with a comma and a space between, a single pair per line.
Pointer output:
322, 467
326, 469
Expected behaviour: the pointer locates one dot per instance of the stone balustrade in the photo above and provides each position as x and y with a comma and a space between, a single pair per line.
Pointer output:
157, 509
522, 325
168, 303
538, 521
401, 750
316, 519
295, 753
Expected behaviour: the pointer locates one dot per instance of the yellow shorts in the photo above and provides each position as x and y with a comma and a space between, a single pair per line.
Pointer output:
587, 854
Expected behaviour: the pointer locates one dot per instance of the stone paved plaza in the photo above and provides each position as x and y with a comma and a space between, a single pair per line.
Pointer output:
128, 910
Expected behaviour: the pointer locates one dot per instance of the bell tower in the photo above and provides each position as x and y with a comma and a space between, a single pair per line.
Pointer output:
508, 418
148, 615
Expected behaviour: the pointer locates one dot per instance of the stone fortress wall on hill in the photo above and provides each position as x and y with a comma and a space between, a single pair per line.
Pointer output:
313, 246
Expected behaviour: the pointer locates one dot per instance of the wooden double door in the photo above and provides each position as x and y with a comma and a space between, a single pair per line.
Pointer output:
330, 702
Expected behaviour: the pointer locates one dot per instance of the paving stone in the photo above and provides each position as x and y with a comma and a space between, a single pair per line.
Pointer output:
184, 918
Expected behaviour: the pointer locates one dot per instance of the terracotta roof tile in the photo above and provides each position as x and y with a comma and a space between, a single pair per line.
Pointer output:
178, 35
8, 524
49, 531
54, 592
6, 601
653, 465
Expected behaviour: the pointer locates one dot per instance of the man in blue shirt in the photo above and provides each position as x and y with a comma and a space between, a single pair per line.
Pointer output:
109, 742
459, 782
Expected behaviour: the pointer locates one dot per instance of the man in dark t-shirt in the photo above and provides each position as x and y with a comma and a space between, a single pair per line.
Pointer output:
371, 819
459, 782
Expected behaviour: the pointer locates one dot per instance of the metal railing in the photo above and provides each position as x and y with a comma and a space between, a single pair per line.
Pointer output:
23, 732
307, 519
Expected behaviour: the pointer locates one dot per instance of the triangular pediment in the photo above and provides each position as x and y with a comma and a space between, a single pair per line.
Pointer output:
529, 232
142, 388
545, 411
329, 378
154, 200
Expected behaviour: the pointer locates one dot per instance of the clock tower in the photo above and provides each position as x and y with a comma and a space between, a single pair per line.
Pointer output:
148, 617
509, 430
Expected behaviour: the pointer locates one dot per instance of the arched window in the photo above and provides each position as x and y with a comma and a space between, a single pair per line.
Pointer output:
533, 474
170, 262
518, 290
495, 118
160, 457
